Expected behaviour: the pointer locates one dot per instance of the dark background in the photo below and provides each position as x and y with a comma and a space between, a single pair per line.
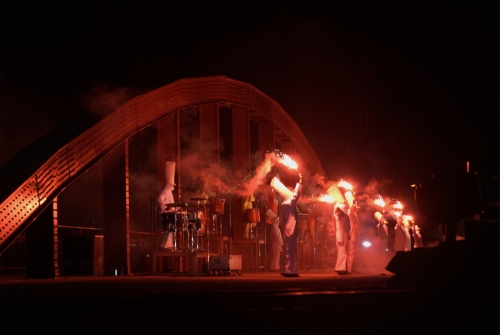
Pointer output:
387, 93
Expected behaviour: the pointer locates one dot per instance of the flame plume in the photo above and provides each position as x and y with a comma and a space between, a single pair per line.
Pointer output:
379, 202
285, 160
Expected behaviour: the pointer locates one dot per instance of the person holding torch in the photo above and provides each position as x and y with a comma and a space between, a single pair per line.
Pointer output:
290, 218
346, 226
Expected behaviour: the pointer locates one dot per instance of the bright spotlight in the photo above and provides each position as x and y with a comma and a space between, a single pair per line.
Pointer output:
366, 244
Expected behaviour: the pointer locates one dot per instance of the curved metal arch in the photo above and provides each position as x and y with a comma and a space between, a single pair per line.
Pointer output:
76, 157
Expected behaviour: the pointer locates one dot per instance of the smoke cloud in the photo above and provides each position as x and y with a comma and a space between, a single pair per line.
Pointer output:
104, 99
218, 179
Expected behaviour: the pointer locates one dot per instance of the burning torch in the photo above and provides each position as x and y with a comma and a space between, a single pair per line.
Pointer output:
349, 197
285, 160
379, 202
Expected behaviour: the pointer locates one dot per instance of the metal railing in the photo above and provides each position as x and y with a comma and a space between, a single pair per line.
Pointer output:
13, 260
141, 249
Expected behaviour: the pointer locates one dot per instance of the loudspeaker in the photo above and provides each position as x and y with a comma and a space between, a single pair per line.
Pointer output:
469, 265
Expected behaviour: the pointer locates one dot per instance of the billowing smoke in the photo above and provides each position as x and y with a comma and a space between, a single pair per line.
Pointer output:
253, 185
316, 185
218, 179
103, 99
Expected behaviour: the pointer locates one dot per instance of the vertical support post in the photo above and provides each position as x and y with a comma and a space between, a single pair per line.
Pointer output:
168, 144
266, 143
40, 246
114, 211
127, 207
178, 150
241, 161
209, 134
56, 236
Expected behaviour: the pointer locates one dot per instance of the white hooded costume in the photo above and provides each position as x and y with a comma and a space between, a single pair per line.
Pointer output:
166, 197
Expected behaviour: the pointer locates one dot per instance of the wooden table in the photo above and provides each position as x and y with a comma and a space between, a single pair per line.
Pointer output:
192, 256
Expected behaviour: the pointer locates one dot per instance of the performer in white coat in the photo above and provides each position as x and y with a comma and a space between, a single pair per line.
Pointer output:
166, 197
417, 237
401, 237
343, 228
353, 238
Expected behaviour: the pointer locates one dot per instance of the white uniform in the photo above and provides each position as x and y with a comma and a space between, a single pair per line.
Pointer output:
166, 197
417, 237
401, 237
343, 228
353, 237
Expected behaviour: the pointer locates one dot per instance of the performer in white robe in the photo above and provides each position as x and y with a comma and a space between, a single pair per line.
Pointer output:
166, 197
343, 228
353, 238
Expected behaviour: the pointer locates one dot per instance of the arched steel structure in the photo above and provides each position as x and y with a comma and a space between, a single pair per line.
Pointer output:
77, 156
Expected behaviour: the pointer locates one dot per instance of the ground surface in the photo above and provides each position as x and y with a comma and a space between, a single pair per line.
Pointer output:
322, 302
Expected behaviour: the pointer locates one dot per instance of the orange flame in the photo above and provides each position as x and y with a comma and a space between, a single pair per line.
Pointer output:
288, 162
379, 202
397, 206
408, 217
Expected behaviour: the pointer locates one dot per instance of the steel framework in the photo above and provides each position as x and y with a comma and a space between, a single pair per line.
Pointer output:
23, 205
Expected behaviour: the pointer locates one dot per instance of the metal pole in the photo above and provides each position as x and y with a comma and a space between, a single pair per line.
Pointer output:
127, 207
230, 218
265, 246
152, 205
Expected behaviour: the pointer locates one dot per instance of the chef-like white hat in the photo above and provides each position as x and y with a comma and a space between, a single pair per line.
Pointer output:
170, 173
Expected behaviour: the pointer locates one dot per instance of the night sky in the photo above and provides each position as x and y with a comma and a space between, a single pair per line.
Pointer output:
438, 62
